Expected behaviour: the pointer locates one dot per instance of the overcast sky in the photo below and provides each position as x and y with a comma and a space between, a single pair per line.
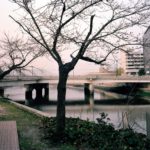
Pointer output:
8, 26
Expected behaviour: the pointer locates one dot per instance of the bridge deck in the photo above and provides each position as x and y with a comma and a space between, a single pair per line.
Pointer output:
8, 136
23, 80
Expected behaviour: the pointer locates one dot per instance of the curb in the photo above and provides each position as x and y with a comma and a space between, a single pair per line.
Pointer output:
31, 110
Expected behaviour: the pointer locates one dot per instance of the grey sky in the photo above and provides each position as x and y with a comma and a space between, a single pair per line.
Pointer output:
8, 26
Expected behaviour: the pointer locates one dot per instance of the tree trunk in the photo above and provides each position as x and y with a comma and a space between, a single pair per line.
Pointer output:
61, 97
3, 74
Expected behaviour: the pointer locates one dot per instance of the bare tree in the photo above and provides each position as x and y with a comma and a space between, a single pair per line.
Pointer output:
90, 30
16, 53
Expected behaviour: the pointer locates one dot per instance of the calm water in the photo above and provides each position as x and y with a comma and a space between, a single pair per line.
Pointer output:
73, 93
136, 115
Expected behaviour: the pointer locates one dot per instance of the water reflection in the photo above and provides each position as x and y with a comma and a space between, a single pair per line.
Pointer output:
73, 93
136, 114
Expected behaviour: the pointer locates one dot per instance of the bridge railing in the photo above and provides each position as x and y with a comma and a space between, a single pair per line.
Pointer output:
119, 77
79, 77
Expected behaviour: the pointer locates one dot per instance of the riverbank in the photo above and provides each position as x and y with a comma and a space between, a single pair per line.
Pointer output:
37, 133
128, 96
28, 126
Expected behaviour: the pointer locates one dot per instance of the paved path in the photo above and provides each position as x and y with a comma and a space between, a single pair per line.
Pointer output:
8, 136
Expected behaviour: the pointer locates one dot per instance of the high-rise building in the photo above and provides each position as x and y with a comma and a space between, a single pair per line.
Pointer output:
146, 50
134, 63
131, 63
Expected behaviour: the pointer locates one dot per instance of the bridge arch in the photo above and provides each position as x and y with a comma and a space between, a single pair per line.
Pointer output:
43, 92
37, 93
34, 93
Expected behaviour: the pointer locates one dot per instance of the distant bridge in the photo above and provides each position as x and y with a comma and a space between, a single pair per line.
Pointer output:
22, 80
40, 84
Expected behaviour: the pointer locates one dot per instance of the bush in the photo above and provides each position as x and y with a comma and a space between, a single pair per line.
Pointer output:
101, 135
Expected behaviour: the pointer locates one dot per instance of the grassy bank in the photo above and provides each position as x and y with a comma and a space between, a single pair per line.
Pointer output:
30, 135
36, 133
144, 93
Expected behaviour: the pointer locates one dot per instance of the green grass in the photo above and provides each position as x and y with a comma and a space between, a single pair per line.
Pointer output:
144, 93
36, 133
28, 126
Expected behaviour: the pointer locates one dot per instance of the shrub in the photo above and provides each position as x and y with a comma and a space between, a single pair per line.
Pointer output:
101, 135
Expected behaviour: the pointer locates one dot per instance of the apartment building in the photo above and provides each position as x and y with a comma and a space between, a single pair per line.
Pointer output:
131, 63
146, 50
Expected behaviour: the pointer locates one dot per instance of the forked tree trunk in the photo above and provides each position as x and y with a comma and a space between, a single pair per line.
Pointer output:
61, 98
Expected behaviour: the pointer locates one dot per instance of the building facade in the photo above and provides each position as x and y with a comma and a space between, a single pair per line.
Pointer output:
131, 63
146, 50
134, 63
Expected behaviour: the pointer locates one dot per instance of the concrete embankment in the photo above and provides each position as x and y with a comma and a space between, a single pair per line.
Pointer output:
111, 94
29, 109
144, 93
127, 94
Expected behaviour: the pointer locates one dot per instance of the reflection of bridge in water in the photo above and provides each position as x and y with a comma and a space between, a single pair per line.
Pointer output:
40, 84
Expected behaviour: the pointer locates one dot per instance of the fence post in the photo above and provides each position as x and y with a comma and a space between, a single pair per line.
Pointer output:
125, 120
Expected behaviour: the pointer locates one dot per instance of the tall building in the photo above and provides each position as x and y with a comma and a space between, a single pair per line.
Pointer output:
146, 50
134, 62
131, 63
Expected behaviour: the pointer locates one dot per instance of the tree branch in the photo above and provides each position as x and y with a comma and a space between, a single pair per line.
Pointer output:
82, 49
80, 11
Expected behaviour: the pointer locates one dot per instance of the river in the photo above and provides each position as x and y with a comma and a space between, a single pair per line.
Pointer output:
135, 114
